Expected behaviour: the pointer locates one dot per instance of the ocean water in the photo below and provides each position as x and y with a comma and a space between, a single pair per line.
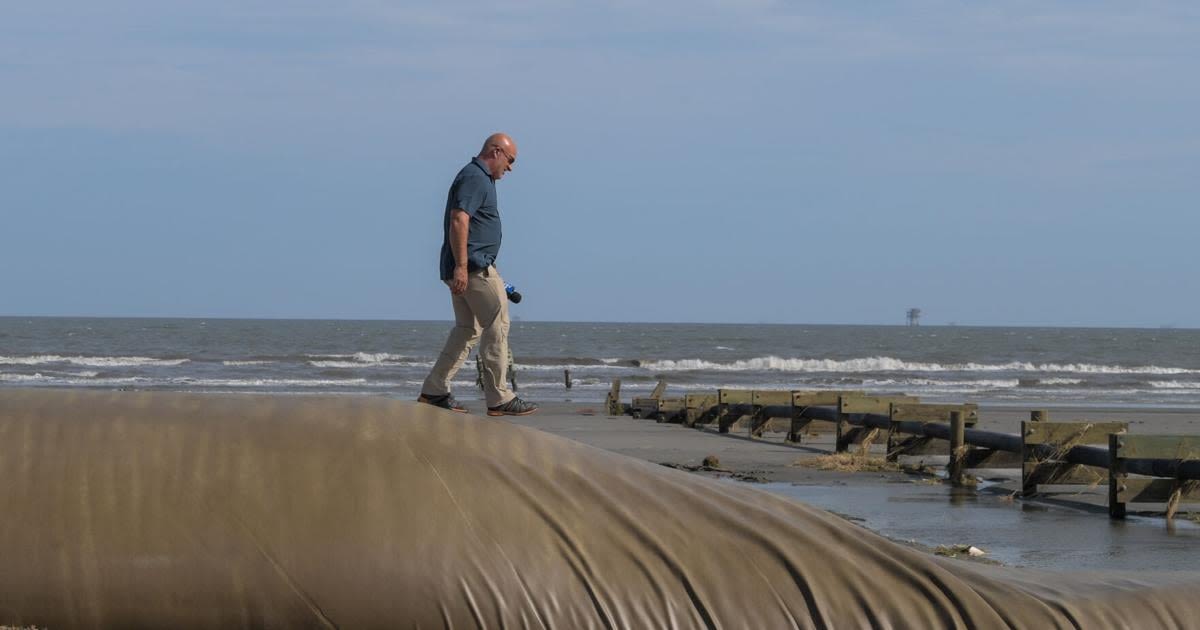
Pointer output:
994, 365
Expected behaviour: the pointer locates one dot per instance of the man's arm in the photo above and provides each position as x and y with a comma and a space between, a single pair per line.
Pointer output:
460, 224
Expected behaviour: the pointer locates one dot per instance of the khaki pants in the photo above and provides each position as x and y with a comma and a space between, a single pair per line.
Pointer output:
480, 314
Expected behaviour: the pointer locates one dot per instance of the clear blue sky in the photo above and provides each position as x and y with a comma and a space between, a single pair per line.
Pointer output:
1031, 163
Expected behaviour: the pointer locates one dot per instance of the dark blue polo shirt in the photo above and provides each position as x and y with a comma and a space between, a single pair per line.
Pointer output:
474, 192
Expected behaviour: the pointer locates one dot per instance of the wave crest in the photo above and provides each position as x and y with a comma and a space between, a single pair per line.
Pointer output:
890, 364
43, 359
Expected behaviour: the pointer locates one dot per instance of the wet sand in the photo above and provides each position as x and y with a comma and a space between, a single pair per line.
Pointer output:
1069, 530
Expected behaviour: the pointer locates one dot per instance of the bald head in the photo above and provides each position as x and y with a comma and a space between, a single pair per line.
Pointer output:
499, 152
501, 140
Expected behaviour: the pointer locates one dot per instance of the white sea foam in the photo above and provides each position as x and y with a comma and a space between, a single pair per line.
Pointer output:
925, 382
1174, 385
458, 384
185, 382
336, 364
21, 378
240, 363
361, 357
276, 382
49, 374
81, 378
44, 359
889, 364
361, 364
567, 366
1060, 381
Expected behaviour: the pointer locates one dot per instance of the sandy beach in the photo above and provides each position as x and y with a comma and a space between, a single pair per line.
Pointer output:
771, 457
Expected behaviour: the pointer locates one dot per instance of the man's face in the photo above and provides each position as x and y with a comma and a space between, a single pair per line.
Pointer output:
503, 161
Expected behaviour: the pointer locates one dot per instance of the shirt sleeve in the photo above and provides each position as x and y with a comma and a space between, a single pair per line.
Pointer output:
469, 195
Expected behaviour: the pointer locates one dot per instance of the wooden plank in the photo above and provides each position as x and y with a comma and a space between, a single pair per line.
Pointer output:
659, 389
613, 399
1035, 472
727, 397
827, 398
699, 407
735, 396
1145, 490
814, 398
671, 405
644, 407
670, 410
926, 412
1081, 432
872, 404
771, 397
1159, 447
699, 402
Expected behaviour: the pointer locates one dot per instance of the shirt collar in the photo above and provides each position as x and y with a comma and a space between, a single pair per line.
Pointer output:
483, 167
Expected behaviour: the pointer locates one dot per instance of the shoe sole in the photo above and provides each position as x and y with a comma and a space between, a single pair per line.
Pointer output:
458, 409
510, 413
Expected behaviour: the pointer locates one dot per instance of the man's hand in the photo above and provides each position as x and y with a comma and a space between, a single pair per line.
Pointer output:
458, 284
460, 225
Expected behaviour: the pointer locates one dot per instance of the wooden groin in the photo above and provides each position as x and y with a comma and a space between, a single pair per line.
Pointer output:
1139, 469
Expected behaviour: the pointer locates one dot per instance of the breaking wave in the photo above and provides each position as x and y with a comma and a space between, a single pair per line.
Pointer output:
889, 364
46, 359
1174, 385
86, 378
363, 360
360, 357
276, 382
1061, 381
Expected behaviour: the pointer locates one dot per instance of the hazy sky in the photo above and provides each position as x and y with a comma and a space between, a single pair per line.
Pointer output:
1030, 163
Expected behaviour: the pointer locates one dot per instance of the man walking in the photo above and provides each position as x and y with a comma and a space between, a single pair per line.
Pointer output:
470, 243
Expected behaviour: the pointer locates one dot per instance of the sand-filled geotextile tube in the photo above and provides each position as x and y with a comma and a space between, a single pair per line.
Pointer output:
181, 510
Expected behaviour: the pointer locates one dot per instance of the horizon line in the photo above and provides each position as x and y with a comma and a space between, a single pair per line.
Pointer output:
520, 320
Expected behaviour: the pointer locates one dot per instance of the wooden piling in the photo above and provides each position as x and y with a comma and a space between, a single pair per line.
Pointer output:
1116, 477
613, 400
954, 469
1123, 489
1039, 467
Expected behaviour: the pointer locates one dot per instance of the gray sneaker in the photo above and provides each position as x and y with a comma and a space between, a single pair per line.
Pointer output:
514, 407
446, 401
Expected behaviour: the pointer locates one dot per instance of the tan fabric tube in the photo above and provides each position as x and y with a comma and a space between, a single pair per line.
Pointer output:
182, 510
